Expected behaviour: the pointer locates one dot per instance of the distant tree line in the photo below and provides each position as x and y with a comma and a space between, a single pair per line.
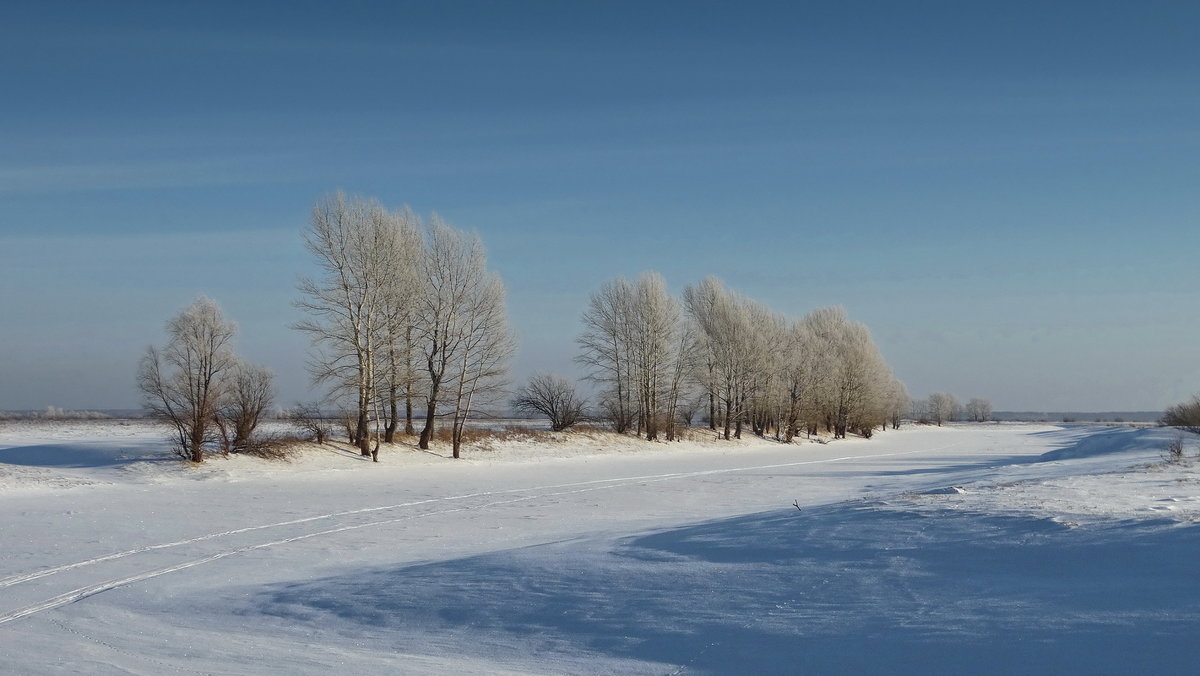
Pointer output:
942, 407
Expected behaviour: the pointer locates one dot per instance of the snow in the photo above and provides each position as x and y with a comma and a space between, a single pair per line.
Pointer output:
992, 548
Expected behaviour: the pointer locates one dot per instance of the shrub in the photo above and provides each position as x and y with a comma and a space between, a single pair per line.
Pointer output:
1174, 452
308, 419
1185, 415
552, 396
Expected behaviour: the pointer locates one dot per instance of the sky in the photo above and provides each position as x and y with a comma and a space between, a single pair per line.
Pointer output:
1005, 193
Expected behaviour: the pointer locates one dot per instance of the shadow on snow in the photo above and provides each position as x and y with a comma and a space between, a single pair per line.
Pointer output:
845, 588
78, 456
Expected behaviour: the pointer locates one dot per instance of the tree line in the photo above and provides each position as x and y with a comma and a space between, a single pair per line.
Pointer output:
941, 407
659, 360
403, 315
408, 326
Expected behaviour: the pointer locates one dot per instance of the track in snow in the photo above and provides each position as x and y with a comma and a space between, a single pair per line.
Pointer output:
536, 492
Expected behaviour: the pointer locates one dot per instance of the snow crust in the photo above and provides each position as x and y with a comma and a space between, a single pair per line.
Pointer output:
993, 548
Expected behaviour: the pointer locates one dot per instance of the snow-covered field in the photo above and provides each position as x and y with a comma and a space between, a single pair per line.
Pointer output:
968, 549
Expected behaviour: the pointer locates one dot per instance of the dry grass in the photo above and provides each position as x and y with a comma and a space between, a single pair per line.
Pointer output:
275, 446
488, 438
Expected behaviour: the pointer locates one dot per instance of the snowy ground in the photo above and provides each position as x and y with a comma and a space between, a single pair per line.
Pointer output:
967, 549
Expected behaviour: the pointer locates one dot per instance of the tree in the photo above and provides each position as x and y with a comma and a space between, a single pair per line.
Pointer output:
183, 383
399, 373
552, 396
461, 329
898, 402
941, 407
751, 365
250, 391
633, 343
726, 349
486, 352
362, 252
978, 410
653, 329
604, 350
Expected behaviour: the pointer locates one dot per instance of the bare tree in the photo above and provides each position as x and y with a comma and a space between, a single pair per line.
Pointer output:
899, 402
461, 330
250, 391
552, 396
398, 370
604, 350
796, 379
183, 382
752, 366
309, 419
359, 249
726, 348
978, 410
653, 329
486, 352
634, 345
941, 407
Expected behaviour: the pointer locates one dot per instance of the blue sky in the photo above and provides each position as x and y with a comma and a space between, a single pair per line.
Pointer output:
1006, 193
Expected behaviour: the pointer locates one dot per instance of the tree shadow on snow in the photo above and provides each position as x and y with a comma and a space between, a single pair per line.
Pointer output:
1091, 442
849, 588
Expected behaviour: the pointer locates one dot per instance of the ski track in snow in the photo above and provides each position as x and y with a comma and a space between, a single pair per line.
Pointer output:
83, 592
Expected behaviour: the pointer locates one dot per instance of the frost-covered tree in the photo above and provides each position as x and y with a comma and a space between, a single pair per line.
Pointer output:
653, 334
978, 410
362, 253
749, 364
482, 369
399, 372
727, 347
185, 381
635, 346
461, 329
898, 402
941, 407
604, 350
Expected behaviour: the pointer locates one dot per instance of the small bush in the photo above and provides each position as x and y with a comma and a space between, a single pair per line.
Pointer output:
308, 419
1174, 452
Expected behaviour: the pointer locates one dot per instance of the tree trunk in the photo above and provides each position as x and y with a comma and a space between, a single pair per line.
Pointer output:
361, 433
389, 433
430, 413
408, 412
197, 442
726, 421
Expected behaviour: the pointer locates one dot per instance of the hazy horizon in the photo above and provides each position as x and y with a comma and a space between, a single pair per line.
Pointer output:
1004, 194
